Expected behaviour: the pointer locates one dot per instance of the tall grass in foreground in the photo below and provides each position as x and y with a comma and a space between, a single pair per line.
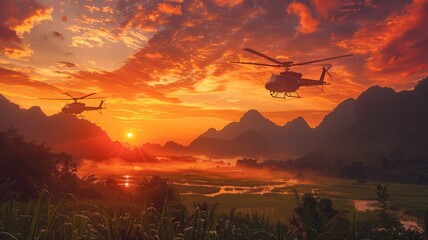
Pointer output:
74, 219
45, 219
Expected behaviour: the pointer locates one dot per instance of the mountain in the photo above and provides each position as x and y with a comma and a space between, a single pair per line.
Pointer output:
249, 143
385, 120
278, 138
333, 126
78, 137
378, 121
251, 120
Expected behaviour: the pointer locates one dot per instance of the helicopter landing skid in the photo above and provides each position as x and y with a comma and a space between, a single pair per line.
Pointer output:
284, 95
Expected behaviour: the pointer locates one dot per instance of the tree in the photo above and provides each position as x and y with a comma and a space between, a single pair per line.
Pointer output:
382, 195
26, 167
156, 191
318, 219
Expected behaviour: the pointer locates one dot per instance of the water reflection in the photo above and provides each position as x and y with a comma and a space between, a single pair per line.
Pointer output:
283, 187
126, 181
366, 205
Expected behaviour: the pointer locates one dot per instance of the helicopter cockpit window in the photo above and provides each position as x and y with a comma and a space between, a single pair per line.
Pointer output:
273, 78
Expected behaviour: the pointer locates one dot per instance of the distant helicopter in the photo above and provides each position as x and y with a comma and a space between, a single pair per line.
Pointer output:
76, 108
288, 82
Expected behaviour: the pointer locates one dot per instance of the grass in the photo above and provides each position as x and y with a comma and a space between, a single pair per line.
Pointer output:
258, 217
77, 219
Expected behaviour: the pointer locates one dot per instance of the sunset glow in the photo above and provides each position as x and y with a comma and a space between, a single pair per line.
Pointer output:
226, 119
164, 66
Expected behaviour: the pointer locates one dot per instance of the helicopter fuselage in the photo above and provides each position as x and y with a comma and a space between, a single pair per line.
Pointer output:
288, 82
73, 108
79, 107
284, 82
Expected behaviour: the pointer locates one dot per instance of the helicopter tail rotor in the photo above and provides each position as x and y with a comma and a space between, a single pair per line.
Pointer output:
101, 106
328, 68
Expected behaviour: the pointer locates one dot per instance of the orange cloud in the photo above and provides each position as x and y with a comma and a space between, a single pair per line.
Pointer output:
169, 8
307, 24
17, 18
108, 9
11, 78
396, 46
324, 7
65, 64
27, 24
92, 9
20, 53
228, 3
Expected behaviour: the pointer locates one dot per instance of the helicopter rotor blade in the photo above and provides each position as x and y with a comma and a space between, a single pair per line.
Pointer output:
320, 60
55, 98
262, 55
95, 98
259, 64
69, 95
86, 96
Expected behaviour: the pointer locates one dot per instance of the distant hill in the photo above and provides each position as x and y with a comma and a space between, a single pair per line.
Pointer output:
79, 137
385, 120
249, 143
378, 121
277, 138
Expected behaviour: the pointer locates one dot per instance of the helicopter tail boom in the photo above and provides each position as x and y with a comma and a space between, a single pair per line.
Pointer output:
312, 82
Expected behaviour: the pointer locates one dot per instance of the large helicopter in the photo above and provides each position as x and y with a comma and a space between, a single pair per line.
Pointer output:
288, 82
76, 108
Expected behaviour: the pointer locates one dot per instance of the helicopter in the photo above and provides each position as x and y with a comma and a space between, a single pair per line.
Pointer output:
76, 108
287, 83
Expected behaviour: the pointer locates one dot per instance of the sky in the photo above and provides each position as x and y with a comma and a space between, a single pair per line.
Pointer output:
164, 66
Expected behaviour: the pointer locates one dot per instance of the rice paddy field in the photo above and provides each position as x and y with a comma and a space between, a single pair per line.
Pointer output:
271, 193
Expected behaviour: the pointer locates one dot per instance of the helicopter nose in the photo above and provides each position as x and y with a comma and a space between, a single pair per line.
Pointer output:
268, 85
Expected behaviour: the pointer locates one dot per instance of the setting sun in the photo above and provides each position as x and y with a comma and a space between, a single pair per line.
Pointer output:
129, 135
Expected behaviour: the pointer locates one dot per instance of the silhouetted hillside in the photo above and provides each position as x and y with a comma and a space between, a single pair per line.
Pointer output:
78, 137
279, 139
251, 120
250, 143
378, 121
385, 120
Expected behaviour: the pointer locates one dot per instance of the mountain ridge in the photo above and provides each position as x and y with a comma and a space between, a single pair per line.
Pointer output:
79, 137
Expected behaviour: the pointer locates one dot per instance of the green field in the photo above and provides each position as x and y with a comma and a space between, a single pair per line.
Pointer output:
279, 203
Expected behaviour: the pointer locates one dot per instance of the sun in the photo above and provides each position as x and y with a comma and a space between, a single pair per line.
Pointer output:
129, 135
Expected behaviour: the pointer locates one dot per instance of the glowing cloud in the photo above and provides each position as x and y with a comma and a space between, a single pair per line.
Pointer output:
27, 24
395, 45
324, 7
170, 9
307, 24
18, 53
228, 3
